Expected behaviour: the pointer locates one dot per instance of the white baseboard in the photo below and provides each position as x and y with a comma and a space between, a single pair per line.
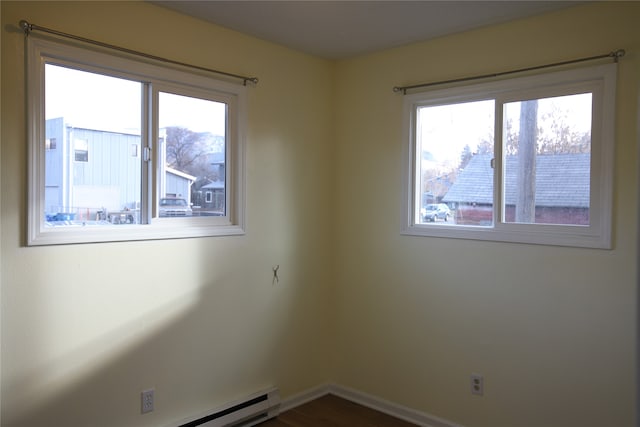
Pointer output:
304, 397
370, 401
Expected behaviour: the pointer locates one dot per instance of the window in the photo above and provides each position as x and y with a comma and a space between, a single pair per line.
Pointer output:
81, 150
138, 145
523, 160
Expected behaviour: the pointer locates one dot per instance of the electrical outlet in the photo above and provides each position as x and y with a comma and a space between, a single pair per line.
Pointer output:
147, 401
477, 384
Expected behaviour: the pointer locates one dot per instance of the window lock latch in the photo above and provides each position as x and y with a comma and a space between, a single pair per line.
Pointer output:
146, 154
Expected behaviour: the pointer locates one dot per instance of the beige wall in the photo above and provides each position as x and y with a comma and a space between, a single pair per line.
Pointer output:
85, 328
551, 329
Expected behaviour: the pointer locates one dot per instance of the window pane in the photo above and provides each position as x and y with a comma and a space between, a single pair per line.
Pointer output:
193, 167
92, 121
547, 152
454, 151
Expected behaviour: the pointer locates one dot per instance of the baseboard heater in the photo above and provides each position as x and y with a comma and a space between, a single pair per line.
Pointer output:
247, 412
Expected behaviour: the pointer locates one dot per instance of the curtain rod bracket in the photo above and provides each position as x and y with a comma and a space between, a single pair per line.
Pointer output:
26, 27
617, 54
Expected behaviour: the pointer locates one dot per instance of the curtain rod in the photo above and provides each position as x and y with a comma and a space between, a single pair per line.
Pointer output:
28, 28
616, 54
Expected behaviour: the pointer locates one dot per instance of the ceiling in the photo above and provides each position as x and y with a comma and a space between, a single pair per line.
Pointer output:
342, 29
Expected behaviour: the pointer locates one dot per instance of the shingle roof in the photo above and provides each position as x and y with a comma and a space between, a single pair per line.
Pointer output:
213, 185
562, 180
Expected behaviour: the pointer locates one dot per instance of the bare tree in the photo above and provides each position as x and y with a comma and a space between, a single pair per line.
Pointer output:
554, 136
190, 152
465, 157
184, 148
557, 137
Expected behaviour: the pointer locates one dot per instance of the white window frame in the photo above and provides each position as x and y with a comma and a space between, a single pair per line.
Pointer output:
601, 80
154, 76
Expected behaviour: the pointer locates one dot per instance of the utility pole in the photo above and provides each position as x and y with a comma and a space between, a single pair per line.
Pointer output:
526, 185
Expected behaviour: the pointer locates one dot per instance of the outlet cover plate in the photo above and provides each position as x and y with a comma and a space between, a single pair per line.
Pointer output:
147, 401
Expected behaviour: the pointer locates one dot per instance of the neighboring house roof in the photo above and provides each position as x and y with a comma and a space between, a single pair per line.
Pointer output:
97, 127
562, 180
180, 173
215, 185
217, 158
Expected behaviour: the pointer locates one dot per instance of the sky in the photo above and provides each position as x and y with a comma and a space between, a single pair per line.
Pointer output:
444, 130
100, 102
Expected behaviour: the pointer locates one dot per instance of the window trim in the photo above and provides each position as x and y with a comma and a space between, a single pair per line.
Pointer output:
41, 51
602, 81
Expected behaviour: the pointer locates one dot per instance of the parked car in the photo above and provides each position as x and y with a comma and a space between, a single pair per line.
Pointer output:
173, 206
435, 210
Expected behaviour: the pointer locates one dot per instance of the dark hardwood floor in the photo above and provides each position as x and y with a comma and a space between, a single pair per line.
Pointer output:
333, 411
